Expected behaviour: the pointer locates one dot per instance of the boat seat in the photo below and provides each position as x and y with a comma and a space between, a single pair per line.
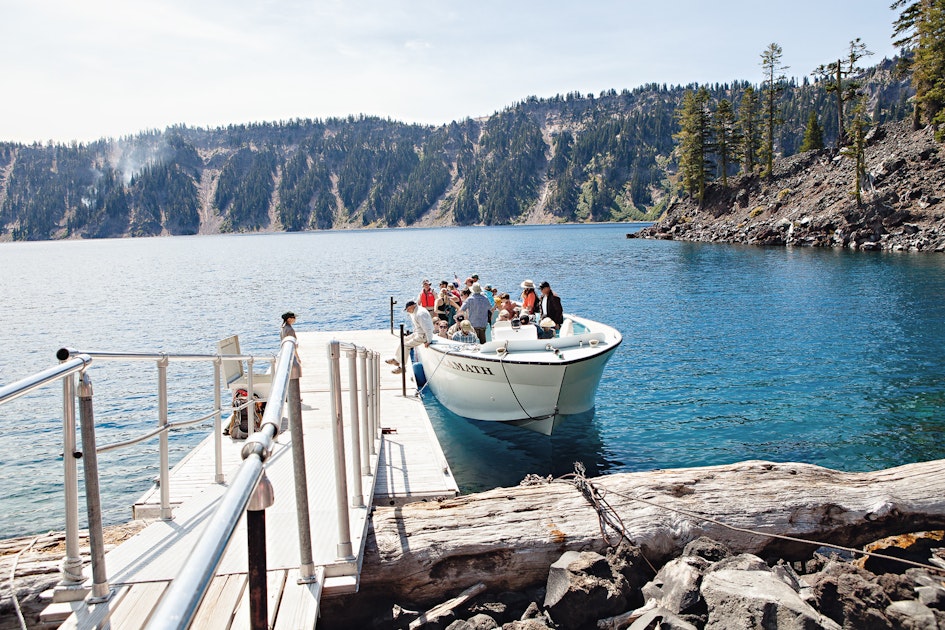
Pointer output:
504, 330
235, 375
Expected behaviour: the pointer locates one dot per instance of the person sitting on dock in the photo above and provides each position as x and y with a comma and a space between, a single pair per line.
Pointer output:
477, 309
466, 333
546, 329
551, 305
422, 333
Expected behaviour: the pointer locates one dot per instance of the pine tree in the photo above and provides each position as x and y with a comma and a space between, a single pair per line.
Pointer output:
773, 86
921, 29
726, 138
856, 151
694, 142
813, 135
748, 129
837, 79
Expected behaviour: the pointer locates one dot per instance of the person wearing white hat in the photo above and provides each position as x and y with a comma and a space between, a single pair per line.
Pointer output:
546, 328
529, 298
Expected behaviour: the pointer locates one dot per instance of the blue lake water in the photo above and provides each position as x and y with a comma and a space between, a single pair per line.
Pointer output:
730, 352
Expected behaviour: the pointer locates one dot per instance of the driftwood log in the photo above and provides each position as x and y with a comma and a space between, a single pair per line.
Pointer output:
508, 537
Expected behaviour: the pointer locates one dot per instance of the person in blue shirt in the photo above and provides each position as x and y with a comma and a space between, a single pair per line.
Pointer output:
477, 310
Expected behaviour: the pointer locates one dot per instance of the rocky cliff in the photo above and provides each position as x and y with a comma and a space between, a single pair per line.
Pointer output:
808, 200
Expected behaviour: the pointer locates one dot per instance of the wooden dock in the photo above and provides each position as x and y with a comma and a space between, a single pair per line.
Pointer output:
408, 465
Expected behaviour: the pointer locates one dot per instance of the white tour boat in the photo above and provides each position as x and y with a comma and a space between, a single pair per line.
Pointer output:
517, 378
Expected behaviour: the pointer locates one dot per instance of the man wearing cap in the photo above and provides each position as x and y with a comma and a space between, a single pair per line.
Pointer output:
422, 332
551, 305
477, 310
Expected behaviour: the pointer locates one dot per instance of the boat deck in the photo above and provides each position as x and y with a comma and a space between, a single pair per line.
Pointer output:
409, 466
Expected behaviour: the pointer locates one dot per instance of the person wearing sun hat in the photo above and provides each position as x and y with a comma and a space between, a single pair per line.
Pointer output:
529, 298
546, 328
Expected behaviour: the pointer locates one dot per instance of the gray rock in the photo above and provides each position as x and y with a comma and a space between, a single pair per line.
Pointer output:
582, 588
459, 624
661, 619
707, 549
912, 615
482, 622
532, 612
788, 575
676, 586
757, 599
849, 595
741, 562
932, 596
529, 624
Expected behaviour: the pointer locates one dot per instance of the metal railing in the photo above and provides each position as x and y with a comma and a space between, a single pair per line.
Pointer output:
71, 586
251, 491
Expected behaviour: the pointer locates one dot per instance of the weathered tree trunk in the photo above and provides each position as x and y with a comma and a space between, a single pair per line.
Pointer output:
508, 537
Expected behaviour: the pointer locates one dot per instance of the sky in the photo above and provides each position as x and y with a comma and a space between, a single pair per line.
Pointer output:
88, 69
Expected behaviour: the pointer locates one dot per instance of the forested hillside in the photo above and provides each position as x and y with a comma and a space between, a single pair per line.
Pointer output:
568, 158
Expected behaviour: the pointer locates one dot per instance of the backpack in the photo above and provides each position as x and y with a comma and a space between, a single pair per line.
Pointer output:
238, 428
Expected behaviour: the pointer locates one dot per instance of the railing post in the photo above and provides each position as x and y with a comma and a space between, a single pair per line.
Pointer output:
217, 424
70, 586
366, 437
370, 394
306, 564
165, 477
393, 302
344, 550
93, 500
357, 498
250, 400
256, 553
377, 396
403, 363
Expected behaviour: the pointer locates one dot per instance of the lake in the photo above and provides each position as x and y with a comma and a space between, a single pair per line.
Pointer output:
730, 352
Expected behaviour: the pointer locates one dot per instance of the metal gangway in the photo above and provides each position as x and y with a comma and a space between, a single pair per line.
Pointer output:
95, 600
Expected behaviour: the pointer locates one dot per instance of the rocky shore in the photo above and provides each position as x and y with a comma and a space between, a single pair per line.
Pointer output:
707, 587
808, 200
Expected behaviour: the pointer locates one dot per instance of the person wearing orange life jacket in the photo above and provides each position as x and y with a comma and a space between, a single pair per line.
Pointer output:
427, 297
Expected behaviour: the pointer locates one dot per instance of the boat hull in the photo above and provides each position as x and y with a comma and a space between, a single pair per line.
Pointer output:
530, 389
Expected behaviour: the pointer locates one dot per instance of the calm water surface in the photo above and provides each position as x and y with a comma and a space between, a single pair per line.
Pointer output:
730, 353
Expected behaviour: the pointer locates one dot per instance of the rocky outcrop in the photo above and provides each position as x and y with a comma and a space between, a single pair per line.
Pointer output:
808, 200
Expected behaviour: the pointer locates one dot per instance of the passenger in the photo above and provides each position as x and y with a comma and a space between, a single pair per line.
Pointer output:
446, 306
504, 316
442, 329
529, 298
288, 318
460, 318
551, 305
490, 292
422, 333
427, 298
546, 330
478, 312
508, 305
466, 333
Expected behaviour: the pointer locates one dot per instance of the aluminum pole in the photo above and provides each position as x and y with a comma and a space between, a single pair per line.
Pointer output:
218, 476
251, 409
344, 550
403, 363
93, 500
306, 564
165, 477
70, 586
366, 438
357, 499
377, 397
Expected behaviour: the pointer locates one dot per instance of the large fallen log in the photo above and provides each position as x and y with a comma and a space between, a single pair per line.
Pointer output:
508, 537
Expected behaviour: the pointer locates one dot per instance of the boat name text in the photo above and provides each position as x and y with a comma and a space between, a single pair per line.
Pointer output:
465, 367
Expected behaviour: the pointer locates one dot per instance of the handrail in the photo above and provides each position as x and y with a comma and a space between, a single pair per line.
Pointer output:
179, 605
160, 356
35, 381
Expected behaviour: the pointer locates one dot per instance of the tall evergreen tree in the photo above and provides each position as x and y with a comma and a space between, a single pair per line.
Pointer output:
838, 79
694, 139
856, 151
748, 129
920, 29
813, 135
771, 116
726, 138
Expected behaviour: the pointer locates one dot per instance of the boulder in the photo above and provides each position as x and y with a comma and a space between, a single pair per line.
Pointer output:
481, 622
849, 595
661, 619
627, 560
932, 596
676, 586
757, 599
912, 615
528, 624
582, 588
707, 549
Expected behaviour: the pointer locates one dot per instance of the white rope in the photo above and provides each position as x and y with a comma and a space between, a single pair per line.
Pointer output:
16, 600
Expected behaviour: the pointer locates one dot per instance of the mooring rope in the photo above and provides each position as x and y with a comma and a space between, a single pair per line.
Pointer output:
16, 600
608, 517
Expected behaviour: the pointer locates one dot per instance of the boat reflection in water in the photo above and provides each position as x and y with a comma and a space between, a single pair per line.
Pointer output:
485, 455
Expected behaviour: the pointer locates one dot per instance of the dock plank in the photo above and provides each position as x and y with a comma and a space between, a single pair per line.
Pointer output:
137, 606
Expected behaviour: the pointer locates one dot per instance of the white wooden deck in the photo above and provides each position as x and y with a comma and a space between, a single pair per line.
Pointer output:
409, 462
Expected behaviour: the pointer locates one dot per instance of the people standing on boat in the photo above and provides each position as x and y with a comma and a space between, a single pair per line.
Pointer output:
427, 298
551, 305
466, 333
490, 292
529, 298
477, 309
546, 329
422, 333
288, 319
446, 306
